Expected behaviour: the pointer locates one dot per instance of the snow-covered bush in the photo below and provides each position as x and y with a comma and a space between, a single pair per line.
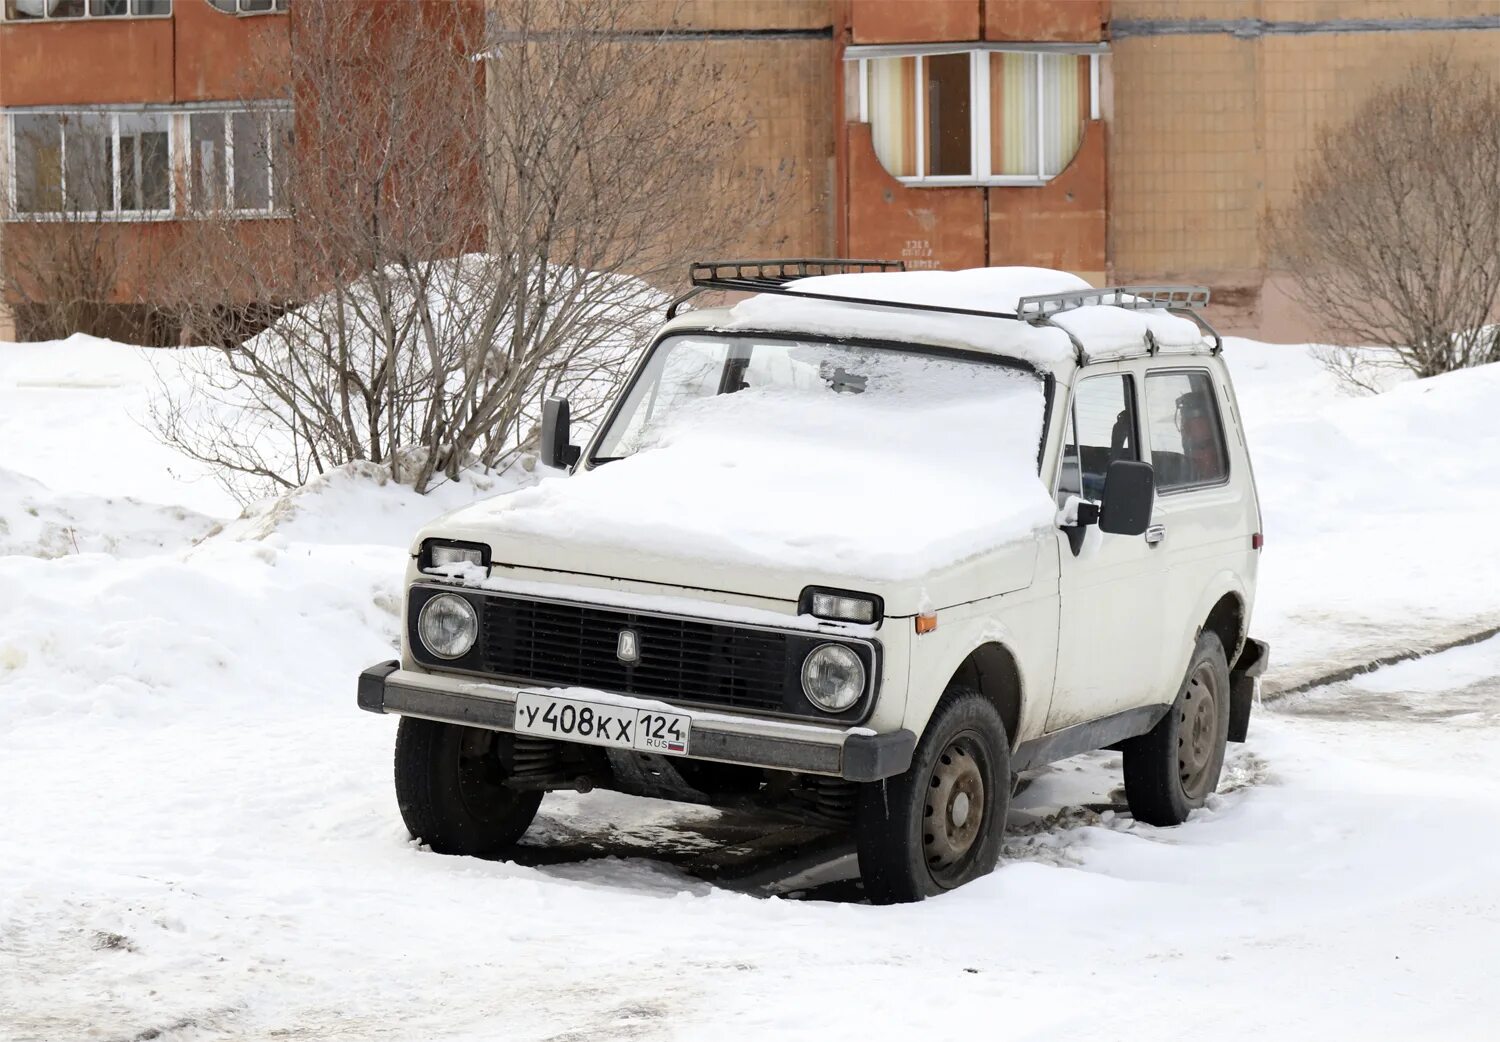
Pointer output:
410, 366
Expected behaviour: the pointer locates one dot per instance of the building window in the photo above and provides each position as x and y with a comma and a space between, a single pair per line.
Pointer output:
1000, 114
249, 6
90, 163
128, 163
56, 10
238, 159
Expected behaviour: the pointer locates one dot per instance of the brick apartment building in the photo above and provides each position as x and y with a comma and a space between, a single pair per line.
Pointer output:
1122, 139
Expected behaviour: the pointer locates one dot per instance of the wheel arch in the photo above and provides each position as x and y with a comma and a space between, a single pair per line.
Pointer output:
993, 671
1227, 616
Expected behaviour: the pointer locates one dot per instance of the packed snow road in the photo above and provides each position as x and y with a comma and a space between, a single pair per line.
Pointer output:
200, 841
237, 874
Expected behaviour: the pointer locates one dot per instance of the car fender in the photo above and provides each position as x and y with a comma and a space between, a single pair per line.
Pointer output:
1225, 581
1022, 625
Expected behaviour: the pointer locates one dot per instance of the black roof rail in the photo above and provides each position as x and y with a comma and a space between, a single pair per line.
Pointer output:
772, 276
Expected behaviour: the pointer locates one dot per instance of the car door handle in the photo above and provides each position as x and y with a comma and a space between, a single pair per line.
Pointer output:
1155, 534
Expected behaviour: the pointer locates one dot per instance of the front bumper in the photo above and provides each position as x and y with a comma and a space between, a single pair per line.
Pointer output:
853, 755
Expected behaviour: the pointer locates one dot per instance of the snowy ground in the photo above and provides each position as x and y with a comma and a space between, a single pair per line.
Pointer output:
200, 841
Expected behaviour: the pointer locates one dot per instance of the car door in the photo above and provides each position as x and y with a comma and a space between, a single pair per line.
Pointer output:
1110, 586
1203, 515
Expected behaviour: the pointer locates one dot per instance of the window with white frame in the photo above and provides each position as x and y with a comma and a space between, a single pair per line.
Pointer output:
997, 114
130, 163
58, 10
90, 163
249, 6
238, 159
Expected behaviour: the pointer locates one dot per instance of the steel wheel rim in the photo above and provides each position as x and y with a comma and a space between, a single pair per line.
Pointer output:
955, 809
1198, 732
481, 777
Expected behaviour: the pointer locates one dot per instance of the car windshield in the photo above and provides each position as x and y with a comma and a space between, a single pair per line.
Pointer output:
749, 389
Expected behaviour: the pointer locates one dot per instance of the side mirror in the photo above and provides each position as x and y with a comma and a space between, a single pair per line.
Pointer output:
556, 449
1129, 495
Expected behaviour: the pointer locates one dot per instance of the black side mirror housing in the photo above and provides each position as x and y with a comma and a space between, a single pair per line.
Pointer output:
1129, 496
556, 448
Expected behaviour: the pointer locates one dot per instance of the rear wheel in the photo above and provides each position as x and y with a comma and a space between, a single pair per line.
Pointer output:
450, 785
1171, 769
940, 824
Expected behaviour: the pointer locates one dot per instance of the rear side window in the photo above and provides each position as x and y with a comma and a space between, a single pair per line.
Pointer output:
1101, 429
1187, 436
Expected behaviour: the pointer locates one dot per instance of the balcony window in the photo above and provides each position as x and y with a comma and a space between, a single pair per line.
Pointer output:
60, 10
998, 114
127, 164
67, 163
238, 159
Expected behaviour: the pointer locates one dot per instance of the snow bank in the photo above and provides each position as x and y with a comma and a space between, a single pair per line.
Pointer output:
37, 522
1376, 508
74, 415
359, 504
886, 484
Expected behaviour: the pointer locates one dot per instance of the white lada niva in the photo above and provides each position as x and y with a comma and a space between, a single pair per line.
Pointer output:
857, 549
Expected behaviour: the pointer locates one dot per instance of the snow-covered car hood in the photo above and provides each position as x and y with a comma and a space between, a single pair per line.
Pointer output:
918, 550
758, 494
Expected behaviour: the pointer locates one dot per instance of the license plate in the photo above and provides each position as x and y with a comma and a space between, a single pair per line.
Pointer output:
600, 723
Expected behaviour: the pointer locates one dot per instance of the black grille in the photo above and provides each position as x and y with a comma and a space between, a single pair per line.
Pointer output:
680, 659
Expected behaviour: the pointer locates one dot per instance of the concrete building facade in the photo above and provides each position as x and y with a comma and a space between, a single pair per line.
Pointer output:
1166, 131
1126, 140
124, 113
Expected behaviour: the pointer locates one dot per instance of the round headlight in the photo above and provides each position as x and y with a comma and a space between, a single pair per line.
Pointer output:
833, 677
448, 626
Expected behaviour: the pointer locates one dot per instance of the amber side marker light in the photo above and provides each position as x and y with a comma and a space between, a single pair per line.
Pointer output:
926, 623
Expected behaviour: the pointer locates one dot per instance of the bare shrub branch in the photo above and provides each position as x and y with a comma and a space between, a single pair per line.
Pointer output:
63, 258
1393, 235
479, 213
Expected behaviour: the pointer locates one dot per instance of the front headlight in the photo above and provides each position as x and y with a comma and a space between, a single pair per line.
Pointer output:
448, 626
833, 677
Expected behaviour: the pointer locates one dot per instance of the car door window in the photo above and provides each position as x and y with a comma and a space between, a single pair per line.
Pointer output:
1187, 435
1101, 429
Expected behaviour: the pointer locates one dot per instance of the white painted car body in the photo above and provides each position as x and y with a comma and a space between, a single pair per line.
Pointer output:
1092, 636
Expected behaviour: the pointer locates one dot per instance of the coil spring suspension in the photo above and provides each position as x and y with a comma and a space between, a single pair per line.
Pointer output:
834, 799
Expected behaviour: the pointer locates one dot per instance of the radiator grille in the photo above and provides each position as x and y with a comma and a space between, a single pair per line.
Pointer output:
680, 659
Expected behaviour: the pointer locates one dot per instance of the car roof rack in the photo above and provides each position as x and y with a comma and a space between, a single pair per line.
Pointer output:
1187, 301
772, 276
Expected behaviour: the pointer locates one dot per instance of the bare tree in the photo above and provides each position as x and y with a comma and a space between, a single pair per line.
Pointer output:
479, 210
1393, 234
63, 260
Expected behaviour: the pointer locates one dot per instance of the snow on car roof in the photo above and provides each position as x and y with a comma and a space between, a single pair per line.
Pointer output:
1104, 330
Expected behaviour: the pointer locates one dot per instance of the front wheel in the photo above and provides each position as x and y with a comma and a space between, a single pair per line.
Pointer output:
940, 824
1171, 769
450, 785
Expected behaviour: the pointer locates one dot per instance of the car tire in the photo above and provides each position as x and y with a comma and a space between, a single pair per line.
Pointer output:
920, 833
450, 788
1173, 768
